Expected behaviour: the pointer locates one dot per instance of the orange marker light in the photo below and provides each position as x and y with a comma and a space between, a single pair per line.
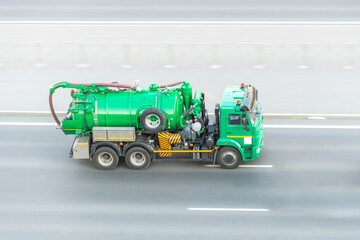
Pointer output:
238, 102
72, 91
191, 144
242, 85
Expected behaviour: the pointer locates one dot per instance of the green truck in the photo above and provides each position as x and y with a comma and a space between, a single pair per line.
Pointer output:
112, 120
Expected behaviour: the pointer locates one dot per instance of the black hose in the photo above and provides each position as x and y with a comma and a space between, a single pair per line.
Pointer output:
52, 109
188, 111
71, 153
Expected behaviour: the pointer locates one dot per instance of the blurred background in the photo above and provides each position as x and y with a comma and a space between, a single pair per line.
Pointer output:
300, 52
302, 55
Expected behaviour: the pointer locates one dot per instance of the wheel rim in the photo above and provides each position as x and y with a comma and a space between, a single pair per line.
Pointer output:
105, 159
152, 121
137, 159
229, 158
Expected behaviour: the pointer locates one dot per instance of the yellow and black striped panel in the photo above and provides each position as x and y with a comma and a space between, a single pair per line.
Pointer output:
165, 154
175, 138
164, 140
163, 134
164, 143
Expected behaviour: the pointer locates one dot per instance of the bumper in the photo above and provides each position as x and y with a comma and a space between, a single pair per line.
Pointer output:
256, 150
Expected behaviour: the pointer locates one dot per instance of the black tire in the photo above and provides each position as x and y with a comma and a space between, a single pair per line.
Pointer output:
229, 158
105, 158
156, 124
137, 158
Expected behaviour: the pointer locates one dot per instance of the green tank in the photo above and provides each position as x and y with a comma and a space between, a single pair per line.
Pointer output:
114, 105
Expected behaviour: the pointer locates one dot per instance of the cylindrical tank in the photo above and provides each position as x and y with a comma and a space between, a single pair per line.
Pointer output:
122, 108
186, 92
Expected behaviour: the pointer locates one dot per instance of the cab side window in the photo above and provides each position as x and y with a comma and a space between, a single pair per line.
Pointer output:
234, 119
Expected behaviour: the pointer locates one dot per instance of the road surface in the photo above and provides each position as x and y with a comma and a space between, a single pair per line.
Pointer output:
306, 186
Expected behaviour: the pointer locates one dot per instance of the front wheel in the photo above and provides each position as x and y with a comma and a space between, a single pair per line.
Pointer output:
105, 158
229, 158
137, 158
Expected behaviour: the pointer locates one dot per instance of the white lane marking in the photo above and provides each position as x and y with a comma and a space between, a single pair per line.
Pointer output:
27, 124
242, 166
316, 118
313, 126
180, 23
231, 209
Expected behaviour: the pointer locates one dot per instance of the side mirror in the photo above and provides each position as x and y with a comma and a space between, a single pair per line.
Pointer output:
245, 123
244, 108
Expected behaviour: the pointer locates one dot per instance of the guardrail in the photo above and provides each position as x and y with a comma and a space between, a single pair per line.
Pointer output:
172, 55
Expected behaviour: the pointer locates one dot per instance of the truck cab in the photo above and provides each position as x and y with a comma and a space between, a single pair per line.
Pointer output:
240, 124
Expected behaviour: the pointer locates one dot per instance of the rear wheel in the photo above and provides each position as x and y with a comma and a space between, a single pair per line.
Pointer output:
229, 157
105, 158
137, 158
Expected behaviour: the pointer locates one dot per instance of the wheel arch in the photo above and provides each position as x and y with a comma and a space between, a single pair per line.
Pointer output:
138, 144
230, 143
96, 145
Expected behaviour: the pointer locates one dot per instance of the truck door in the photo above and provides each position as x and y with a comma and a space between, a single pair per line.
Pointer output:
239, 128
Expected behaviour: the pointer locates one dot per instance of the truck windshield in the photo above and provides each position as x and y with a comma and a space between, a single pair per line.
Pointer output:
253, 105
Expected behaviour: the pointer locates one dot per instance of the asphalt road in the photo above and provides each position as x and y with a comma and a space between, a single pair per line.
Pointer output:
311, 192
